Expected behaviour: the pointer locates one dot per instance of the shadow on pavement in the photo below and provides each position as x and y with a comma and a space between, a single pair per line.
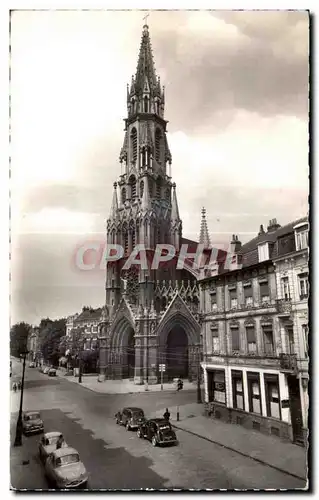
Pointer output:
113, 468
32, 384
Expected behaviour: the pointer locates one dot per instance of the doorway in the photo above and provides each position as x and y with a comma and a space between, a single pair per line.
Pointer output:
176, 353
129, 356
295, 409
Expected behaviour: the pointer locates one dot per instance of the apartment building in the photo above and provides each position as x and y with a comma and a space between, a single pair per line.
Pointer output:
88, 321
254, 333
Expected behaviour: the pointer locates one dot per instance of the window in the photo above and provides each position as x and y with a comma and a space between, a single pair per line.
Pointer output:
305, 336
141, 189
238, 390
264, 292
251, 339
254, 392
215, 339
145, 104
134, 144
272, 395
263, 252
268, 340
158, 188
285, 288
126, 243
133, 239
158, 144
248, 294
167, 195
132, 182
301, 239
233, 298
234, 338
290, 338
303, 285
213, 299
123, 195
219, 387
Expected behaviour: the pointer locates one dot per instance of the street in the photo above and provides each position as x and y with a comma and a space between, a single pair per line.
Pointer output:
118, 459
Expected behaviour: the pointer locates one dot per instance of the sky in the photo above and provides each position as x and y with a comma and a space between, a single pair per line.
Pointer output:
236, 88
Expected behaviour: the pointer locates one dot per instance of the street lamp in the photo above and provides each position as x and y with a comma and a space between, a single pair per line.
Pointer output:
18, 438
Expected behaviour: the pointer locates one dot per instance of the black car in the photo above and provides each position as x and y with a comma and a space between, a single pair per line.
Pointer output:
130, 417
158, 431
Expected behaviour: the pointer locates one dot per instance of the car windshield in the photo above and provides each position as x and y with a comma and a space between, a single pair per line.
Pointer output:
164, 427
34, 416
51, 440
67, 459
138, 414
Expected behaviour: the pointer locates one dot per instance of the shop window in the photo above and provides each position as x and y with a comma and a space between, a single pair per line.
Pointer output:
238, 390
272, 395
303, 286
254, 392
219, 387
251, 339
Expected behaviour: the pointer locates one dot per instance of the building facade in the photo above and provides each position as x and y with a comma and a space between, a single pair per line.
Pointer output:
254, 328
151, 315
33, 344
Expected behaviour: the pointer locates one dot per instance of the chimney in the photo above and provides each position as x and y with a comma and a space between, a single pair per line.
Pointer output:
235, 244
261, 230
273, 225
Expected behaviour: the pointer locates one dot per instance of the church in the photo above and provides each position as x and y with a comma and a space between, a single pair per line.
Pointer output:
151, 316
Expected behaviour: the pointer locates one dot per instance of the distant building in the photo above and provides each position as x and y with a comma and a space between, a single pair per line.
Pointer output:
33, 344
88, 320
254, 330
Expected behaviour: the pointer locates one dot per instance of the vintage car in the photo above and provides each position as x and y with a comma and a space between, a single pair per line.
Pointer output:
52, 372
31, 364
130, 417
48, 443
32, 422
64, 469
46, 369
158, 431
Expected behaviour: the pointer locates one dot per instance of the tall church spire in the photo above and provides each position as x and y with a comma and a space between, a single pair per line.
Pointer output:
114, 206
175, 211
145, 64
203, 235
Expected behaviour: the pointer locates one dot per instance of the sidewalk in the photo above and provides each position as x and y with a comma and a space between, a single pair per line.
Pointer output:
121, 386
281, 455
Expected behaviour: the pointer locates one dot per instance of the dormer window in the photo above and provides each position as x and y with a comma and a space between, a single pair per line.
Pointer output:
263, 252
301, 236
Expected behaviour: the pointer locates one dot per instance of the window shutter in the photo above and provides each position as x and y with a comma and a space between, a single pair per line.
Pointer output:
251, 336
264, 289
248, 291
235, 338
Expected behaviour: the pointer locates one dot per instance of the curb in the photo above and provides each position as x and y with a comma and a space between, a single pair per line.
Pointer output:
241, 453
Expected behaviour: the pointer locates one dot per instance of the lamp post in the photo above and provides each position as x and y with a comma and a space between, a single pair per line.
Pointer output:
18, 438
199, 395
80, 369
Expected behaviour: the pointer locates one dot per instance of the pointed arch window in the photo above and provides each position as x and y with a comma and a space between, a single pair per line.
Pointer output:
133, 105
126, 243
132, 182
133, 239
141, 189
134, 144
146, 104
143, 157
158, 144
123, 195
158, 188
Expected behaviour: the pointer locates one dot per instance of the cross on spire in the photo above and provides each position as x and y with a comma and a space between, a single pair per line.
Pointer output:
145, 19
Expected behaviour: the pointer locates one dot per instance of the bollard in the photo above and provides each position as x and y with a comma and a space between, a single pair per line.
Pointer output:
177, 414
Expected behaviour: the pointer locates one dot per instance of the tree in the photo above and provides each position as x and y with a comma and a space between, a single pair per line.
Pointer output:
51, 336
19, 338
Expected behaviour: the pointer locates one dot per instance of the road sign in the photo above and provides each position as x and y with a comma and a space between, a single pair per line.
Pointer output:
162, 368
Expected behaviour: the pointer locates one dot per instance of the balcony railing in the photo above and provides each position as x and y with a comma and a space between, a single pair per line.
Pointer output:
288, 361
283, 306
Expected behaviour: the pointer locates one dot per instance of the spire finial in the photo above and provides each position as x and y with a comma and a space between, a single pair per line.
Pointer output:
145, 19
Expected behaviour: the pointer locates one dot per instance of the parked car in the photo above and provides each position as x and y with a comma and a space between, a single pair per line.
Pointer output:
64, 469
32, 422
130, 417
32, 365
48, 443
52, 372
158, 431
46, 369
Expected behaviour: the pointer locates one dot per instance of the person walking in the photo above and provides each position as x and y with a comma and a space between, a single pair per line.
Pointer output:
14, 387
19, 385
167, 415
60, 442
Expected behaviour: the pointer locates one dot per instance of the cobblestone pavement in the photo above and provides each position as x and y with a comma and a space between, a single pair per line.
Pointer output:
117, 459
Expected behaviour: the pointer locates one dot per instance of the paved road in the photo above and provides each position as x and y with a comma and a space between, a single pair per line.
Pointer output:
117, 459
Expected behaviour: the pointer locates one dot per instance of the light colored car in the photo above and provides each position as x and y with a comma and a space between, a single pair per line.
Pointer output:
32, 365
32, 422
48, 443
46, 369
64, 469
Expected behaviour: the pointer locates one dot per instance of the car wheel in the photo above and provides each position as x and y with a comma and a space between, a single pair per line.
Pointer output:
139, 433
154, 441
128, 428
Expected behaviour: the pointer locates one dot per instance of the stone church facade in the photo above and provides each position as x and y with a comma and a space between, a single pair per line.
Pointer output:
151, 316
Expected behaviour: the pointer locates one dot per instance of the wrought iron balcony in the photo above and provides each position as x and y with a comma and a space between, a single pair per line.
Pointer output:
284, 306
288, 362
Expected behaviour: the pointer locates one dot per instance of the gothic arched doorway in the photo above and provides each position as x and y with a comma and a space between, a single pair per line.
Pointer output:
176, 353
129, 354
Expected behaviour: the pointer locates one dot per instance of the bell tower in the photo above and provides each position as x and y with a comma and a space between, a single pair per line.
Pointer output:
144, 207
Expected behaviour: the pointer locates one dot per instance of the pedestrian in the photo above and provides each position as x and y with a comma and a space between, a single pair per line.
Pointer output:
19, 385
167, 415
14, 387
60, 442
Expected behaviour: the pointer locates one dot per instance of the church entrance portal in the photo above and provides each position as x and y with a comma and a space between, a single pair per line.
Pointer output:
129, 355
176, 353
